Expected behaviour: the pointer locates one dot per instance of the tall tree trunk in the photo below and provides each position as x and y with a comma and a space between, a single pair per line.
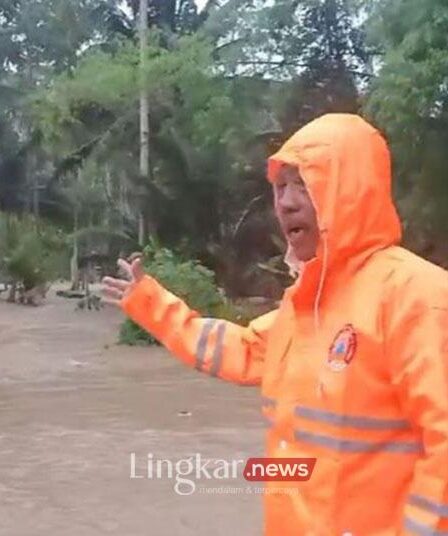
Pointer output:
74, 267
144, 114
35, 187
109, 188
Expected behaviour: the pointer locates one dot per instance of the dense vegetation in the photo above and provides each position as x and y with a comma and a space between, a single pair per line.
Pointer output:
217, 91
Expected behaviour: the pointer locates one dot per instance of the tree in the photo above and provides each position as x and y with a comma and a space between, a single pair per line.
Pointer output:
175, 16
215, 100
314, 49
144, 113
409, 100
37, 40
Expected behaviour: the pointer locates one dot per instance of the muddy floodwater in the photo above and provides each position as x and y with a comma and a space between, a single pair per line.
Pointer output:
75, 408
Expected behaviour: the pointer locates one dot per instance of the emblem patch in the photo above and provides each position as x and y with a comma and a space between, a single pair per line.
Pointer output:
343, 349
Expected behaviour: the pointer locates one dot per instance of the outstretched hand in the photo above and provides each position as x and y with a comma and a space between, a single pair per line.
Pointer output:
114, 289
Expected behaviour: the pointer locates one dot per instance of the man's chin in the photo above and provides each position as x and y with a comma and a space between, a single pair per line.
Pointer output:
300, 254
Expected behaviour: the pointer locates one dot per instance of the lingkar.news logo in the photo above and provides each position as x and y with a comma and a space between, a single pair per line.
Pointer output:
187, 472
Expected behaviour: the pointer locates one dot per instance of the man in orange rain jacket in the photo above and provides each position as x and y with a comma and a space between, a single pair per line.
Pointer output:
353, 366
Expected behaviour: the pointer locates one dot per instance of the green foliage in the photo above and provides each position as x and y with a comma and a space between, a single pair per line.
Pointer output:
225, 88
285, 39
33, 253
200, 126
187, 279
38, 40
409, 99
132, 335
190, 281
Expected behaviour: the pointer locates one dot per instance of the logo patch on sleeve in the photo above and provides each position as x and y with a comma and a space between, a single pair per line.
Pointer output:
343, 349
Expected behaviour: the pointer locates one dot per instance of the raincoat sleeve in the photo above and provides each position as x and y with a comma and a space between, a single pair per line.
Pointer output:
419, 353
216, 347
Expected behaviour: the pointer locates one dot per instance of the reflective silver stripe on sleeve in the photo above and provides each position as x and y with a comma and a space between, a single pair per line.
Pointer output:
422, 530
367, 423
218, 352
202, 343
431, 506
348, 445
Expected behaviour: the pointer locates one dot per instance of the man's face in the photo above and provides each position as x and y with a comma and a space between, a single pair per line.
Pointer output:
296, 213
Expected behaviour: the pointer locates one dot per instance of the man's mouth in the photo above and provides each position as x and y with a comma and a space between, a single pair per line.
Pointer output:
294, 232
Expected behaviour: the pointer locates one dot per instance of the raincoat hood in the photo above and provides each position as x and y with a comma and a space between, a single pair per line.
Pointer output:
346, 166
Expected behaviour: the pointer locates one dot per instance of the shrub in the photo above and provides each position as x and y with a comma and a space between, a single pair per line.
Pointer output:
189, 280
31, 251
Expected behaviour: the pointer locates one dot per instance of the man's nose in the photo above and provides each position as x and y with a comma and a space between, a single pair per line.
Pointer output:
288, 201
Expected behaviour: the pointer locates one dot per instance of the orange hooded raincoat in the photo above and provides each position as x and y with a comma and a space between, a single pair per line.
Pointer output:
353, 366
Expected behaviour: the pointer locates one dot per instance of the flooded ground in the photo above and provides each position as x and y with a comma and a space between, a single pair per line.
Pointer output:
74, 407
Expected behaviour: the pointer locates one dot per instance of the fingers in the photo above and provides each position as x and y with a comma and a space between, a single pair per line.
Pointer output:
125, 267
111, 301
112, 292
115, 289
137, 269
115, 283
